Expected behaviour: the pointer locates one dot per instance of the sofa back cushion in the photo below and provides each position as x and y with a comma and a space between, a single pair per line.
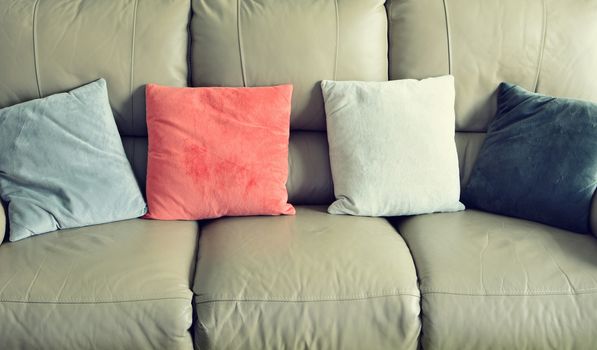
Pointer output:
55, 46
268, 42
302, 42
547, 46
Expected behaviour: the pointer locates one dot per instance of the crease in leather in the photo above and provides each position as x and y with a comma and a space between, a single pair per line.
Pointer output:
241, 54
448, 38
523, 267
542, 47
564, 274
35, 61
481, 264
35, 277
365, 296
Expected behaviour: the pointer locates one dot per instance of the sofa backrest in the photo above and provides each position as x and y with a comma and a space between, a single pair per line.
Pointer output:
544, 45
54, 46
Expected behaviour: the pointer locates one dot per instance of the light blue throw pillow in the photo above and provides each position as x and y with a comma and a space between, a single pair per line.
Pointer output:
62, 164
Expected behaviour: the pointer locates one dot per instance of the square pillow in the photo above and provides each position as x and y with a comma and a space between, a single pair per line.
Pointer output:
217, 151
538, 161
62, 164
392, 147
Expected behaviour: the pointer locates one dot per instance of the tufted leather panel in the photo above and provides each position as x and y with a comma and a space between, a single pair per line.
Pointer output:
489, 281
264, 42
309, 281
124, 285
542, 45
53, 46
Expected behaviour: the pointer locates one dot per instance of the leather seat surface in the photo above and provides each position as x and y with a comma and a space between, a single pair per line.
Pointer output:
489, 281
124, 285
312, 280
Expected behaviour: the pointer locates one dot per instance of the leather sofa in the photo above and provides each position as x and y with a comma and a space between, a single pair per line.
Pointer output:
467, 280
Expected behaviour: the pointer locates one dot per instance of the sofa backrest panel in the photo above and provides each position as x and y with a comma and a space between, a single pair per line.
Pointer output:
54, 46
547, 46
265, 42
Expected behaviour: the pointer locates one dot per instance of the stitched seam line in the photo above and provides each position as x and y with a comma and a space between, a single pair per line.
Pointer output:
390, 36
542, 48
240, 44
202, 300
337, 37
35, 62
89, 302
133, 36
513, 294
448, 37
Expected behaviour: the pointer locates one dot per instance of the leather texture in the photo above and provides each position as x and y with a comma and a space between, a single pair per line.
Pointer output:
545, 46
312, 280
55, 46
269, 42
489, 281
123, 285
309, 173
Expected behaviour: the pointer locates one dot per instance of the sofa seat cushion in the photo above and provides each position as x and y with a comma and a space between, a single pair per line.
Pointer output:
124, 285
490, 281
312, 280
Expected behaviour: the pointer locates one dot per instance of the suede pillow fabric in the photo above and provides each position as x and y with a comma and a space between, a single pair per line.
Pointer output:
392, 147
62, 164
539, 160
217, 152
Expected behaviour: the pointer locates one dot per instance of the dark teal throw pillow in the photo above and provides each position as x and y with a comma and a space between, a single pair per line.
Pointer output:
539, 160
62, 164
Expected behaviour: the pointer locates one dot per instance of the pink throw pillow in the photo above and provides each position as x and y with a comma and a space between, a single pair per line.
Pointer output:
217, 152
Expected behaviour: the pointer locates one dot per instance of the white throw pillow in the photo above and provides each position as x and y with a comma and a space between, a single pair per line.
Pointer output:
392, 147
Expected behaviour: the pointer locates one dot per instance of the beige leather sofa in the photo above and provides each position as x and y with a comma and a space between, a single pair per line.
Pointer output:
468, 280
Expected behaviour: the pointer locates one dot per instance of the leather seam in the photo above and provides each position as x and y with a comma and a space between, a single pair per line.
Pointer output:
542, 48
390, 38
35, 60
448, 36
76, 302
240, 43
132, 77
513, 294
304, 300
337, 38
